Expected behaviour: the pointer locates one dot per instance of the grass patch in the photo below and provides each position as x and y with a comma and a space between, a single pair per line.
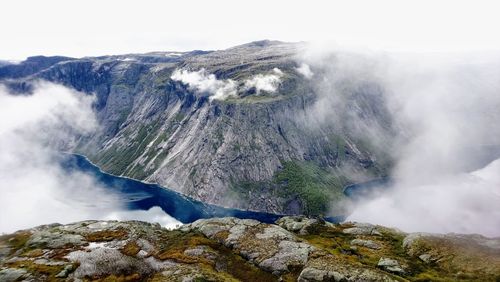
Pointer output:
50, 271
16, 240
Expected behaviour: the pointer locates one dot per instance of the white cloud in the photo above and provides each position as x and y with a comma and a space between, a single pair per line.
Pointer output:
305, 70
449, 110
443, 111
264, 82
154, 214
34, 188
463, 203
203, 82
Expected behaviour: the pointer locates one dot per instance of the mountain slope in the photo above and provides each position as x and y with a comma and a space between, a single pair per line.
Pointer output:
253, 150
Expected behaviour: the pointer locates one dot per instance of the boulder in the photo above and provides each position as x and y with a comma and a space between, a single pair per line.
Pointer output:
365, 243
390, 265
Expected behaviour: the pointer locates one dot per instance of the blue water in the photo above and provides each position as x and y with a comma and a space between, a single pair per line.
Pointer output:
143, 196
367, 189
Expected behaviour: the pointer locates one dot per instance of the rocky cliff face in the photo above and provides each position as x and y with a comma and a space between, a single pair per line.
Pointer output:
230, 249
253, 150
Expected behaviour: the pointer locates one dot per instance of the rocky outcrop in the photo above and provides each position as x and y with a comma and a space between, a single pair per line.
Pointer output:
230, 249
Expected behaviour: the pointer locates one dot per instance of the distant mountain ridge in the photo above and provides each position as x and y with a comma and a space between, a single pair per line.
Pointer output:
247, 151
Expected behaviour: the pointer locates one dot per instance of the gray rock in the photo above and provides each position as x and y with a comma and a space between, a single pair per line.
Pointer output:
195, 252
362, 229
390, 265
65, 272
12, 274
297, 224
276, 233
310, 274
290, 253
425, 258
103, 261
365, 243
48, 262
55, 239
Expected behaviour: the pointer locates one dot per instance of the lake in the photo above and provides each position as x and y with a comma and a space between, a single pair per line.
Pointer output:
138, 195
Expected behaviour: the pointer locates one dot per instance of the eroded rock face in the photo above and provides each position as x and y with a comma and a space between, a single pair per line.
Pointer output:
230, 249
155, 128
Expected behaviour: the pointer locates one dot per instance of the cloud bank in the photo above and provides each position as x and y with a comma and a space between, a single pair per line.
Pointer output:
264, 82
34, 188
203, 82
439, 122
461, 203
220, 89
305, 70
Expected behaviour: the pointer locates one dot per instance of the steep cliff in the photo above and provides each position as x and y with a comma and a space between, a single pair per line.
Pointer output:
255, 149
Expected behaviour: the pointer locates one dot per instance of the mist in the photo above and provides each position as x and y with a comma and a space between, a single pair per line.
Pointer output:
35, 188
436, 116
205, 83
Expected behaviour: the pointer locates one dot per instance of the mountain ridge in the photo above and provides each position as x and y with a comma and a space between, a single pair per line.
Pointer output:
224, 152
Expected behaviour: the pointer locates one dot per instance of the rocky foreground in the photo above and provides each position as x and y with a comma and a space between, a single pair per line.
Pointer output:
230, 249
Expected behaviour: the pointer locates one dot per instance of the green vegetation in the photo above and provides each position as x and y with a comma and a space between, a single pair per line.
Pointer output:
315, 186
172, 246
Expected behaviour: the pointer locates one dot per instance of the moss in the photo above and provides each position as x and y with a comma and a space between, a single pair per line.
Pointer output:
225, 266
48, 271
106, 235
130, 249
241, 269
34, 253
172, 245
121, 278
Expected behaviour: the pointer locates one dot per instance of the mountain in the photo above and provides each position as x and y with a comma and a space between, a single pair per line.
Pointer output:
255, 148
230, 249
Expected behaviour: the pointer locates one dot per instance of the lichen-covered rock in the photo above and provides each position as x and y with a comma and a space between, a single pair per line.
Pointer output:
271, 247
313, 274
54, 239
299, 224
290, 253
391, 265
230, 249
331, 268
12, 274
365, 243
362, 229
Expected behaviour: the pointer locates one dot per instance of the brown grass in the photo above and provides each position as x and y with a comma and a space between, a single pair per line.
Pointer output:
106, 235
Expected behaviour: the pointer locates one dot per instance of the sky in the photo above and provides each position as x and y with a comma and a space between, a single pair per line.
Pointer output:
88, 28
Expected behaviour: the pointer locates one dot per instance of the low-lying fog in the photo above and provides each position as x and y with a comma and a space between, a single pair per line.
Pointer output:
34, 188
